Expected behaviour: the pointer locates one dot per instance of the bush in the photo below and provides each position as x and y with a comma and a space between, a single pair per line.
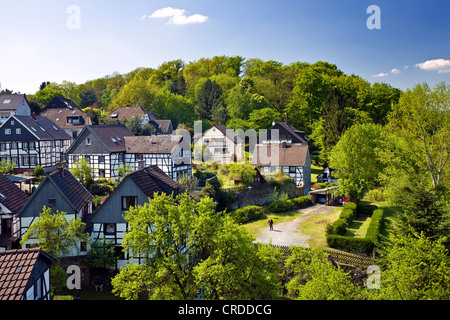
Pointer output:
350, 243
98, 189
366, 209
302, 201
375, 195
375, 225
39, 171
345, 218
247, 214
282, 204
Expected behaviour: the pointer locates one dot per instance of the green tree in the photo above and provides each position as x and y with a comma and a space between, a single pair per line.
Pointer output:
209, 98
88, 98
6, 166
316, 278
420, 126
356, 161
54, 234
417, 268
83, 172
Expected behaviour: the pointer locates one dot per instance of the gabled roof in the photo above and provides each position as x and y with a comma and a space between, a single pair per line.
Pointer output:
16, 268
149, 180
295, 135
152, 179
126, 113
59, 116
11, 101
111, 136
42, 128
276, 155
69, 188
162, 126
152, 144
11, 196
224, 130
61, 103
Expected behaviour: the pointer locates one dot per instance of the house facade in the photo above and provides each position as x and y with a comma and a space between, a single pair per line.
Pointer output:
29, 141
103, 147
13, 104
169, 153
108, 223
12, 199
62, 192
67, 115
25, 274
223, 144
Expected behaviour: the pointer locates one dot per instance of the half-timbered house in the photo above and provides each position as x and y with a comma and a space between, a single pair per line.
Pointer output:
25, 274
169, 153
293, 160
33, 140
13, 104
108, 223
283, 132
12, 199
62, 192
103, 147
67, 115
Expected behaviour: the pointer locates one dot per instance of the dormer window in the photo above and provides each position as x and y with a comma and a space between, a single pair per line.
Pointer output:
88, 141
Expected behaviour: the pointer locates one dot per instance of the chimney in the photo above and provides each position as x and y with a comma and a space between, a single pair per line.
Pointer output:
33, 115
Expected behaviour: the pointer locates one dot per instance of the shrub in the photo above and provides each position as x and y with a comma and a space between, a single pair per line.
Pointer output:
282, 204
302, 201
375, 225
247, 214
345, 218
375, 195
39, 171
350, 243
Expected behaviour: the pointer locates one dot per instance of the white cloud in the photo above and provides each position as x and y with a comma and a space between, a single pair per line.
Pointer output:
381, 75
177, 16
440, 65
395, 71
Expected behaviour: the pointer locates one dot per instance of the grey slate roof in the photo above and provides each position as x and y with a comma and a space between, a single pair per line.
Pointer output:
61, 103
106, 134
43, 128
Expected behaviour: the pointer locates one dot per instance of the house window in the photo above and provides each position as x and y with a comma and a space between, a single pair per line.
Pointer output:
14, 145
25, 145
18, 131
31, 145
33, 160
101, 159
128, 202
38, 289
7, 131
110, 228
292, 169
15, 160
74, 134
52, 202
25, 161
88, 141
83, 246
2, 147
88, 159
101, 173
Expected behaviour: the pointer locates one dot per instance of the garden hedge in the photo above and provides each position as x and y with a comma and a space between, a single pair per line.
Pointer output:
335, 232
247, 214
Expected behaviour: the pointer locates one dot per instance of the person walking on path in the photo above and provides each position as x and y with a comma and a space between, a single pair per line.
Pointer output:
271, 224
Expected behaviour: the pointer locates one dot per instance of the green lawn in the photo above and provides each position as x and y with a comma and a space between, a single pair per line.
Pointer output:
314, 227
358, 228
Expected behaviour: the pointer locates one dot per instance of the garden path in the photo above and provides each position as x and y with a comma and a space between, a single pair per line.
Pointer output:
289, 233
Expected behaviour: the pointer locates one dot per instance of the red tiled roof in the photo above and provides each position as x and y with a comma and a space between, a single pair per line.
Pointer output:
16, 267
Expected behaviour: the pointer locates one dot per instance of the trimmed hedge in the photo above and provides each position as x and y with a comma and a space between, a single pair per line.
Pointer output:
350, 243
281, 205
337, 229
247, 214
375, 225
345, 218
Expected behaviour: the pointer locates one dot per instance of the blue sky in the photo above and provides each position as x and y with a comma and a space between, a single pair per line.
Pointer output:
412, 46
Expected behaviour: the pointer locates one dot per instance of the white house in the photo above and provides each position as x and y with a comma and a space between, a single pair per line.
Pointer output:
223, 144
13, 104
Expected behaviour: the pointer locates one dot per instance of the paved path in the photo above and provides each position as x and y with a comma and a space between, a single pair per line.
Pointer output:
289, 232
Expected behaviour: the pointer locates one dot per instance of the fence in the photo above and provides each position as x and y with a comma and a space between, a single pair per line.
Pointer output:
339, 257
